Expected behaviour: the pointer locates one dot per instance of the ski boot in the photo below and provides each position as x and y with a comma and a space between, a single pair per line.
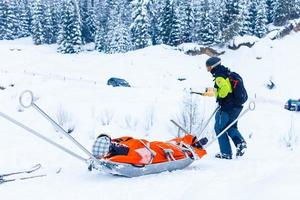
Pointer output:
240, 149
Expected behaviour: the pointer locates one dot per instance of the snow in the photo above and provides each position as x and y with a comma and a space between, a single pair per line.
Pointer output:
76, 85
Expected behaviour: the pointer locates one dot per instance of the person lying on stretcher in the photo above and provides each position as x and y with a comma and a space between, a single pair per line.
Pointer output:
142, 152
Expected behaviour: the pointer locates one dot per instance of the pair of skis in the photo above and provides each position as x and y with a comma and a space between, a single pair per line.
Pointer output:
9, 177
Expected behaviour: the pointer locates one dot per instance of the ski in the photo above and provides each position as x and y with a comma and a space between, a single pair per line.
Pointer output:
30, 170
3, 180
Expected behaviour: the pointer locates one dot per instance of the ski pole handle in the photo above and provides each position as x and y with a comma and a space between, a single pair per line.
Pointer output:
26, 99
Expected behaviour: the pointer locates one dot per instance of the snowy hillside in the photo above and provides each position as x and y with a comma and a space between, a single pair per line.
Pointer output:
75, 85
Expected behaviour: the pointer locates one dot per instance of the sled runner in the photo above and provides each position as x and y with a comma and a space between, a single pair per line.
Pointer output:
129, 170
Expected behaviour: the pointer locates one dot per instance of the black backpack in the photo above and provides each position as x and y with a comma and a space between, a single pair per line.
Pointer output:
239, 92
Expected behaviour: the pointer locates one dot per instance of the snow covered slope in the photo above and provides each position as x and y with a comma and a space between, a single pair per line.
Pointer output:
76, 85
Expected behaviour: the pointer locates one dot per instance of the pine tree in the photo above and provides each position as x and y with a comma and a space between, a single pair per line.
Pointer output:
297, 9
49, 36
282, 11
100, 43
175, 34
37, 20
230, 13
101, 26
209, 27
198, 13
168, 22
153, 8
118, 34
3, 17
25, 18
270, 10
215, 14
12, 23
88, 16
230, 19
186, 18
70, 33
260, 29
140, 28
55, 18
250, 19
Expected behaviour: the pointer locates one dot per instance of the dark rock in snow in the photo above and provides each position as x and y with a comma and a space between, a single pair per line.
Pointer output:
117, 82
204, 50
181, 79
235, 47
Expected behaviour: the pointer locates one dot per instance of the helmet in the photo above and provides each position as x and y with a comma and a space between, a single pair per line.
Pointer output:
101, 146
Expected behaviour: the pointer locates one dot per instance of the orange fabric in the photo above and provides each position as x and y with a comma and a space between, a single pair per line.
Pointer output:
189, 140
140, 155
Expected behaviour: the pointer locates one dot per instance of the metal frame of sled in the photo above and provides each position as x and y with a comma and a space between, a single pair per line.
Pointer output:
26, 100
129, 170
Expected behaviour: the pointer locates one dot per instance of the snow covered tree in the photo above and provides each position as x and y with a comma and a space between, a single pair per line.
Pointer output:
100, 44
25, 18
88, 16
230, 12
282, 11
118, 34
169, 24
250, 19
140, 27
230, 19
49, 36
12, 21
297, 8
186, 18
196, 32
70, 32
175, 34
101, 26
270, 10
3, 10
153, 8
37, 23
56, 17
260, 28
209, 29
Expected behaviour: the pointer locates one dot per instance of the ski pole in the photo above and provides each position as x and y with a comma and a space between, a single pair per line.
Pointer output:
180, 127
207, 122
200, 133
31, 103
41, 136
251, 107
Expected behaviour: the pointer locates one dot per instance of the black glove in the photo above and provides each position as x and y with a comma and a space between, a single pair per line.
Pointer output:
199, 144
203, 141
